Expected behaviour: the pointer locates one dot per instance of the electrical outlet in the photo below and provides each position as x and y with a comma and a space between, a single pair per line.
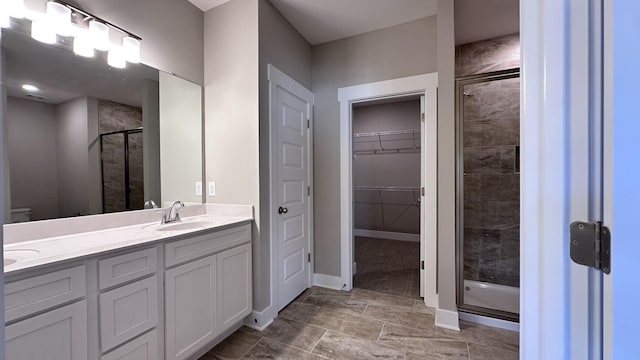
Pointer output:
212, 188
198, 188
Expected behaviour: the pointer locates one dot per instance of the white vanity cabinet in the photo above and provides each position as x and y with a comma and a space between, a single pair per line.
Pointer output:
205, 297
170, 300
235, 298
46, 329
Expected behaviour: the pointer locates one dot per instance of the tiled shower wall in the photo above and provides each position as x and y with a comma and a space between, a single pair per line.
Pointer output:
113, 116
491, 137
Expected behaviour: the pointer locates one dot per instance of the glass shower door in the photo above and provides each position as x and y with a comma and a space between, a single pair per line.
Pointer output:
489, 194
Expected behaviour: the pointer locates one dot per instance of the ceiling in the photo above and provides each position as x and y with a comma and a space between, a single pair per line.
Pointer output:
320, 21
477, 20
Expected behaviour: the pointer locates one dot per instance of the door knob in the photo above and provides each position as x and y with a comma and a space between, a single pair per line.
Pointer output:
282, 210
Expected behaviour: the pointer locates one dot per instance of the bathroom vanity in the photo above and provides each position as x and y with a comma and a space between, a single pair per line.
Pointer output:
141, 291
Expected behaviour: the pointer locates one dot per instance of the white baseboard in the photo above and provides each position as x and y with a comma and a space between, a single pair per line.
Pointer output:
489, 321
259, 320
388, 235
447, 319
327, 281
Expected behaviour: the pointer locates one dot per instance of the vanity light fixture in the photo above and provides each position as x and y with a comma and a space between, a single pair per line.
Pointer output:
30, 88
13, 8
99, 35
131, 47
60, 18
5, 22
42, 31
89, 32
82, 44
116, 58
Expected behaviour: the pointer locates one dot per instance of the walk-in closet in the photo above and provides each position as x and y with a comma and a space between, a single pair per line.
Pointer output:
386, 195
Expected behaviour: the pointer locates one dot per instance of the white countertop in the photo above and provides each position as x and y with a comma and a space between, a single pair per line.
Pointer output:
51, 250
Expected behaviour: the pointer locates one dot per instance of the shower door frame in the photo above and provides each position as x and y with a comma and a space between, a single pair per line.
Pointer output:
459, 91
127, 188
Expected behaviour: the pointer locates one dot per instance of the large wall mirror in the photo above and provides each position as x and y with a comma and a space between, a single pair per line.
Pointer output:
84, 138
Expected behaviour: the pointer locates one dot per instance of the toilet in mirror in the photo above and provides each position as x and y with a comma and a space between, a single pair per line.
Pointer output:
82, 137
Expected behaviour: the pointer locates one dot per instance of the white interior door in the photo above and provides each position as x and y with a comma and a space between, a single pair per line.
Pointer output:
291, 111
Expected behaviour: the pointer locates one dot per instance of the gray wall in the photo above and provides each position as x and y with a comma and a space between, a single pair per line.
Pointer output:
282, 46
399, 51
446, 158
73, 157
401, 210
172, 31
181, 138
489, 55
31, 133
231, 111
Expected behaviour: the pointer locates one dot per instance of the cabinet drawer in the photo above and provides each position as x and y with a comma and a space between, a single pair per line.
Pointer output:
143, 348
120, 269
28, 296
127, 312
184, 250
57, 334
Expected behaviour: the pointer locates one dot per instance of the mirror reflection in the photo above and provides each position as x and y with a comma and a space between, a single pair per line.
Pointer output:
84, 138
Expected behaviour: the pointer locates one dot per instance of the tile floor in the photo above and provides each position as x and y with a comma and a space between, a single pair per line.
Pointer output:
363, 324
388, 266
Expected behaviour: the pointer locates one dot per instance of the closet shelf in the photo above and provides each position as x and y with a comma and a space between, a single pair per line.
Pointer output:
385, 142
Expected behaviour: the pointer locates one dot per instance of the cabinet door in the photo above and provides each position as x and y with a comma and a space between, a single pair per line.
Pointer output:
190, 303
144, 347
58, 334
127, 312
234, 286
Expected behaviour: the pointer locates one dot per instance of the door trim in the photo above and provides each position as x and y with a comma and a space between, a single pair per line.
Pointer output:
557, 298
276, 78
425, 85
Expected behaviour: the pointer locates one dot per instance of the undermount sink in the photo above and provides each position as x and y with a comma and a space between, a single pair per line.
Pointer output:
12, 256
181, 226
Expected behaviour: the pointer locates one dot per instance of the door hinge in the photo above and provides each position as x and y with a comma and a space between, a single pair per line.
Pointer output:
309, 257
308, 122
591, 245
308, 190
422, 116
422, 265
422, 191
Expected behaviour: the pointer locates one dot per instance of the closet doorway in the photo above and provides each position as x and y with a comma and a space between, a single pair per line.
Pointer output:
388, 213
386, 195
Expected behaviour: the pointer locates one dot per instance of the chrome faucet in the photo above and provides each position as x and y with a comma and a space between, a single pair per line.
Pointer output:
172, 215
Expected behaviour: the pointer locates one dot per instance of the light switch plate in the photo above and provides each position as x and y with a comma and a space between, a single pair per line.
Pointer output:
212, 188
198, 188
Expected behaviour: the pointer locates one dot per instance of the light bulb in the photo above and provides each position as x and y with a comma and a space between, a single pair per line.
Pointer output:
131, 47
116, 58
99, 35
5, 22
82, 45
30, 88
60, 18
43, 32
14, 8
